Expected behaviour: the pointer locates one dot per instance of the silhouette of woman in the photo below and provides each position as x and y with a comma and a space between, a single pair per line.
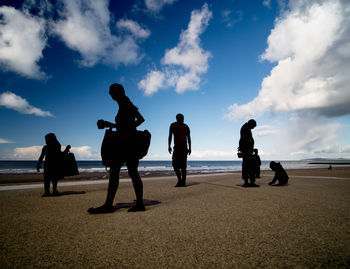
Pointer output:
53, 167
126, 121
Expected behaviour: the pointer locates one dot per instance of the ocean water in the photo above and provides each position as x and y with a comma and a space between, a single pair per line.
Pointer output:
8, 167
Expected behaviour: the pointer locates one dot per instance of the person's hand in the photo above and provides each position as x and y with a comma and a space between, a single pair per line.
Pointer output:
38, 167
101, 124
189, 152
170, 150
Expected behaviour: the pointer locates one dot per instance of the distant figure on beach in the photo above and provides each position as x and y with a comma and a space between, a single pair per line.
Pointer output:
53, 165
257, 163
182, 148
126, 121
280, 174
246, 147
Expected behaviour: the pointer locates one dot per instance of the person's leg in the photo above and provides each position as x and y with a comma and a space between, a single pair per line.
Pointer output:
245, 171
178, 175
137, 183
184, 168
54, 187
113, 184
176, 166
183, 175
251, 172
46, 187
258, 172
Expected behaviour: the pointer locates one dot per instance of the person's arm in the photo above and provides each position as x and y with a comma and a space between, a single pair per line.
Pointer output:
101, 124
273, 180
139, 118
189, 142
169, 139
67, 149
42, 155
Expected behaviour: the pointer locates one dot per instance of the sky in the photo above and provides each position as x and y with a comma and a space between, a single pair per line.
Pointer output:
285, 64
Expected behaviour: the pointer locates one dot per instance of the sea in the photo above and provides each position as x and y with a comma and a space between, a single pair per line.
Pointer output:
198, 167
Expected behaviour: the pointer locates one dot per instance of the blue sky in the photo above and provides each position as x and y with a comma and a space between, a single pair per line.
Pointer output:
284, 63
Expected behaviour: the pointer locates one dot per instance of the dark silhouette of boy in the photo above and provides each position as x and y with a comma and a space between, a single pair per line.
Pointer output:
182, 148
280, 174
257, 163
246, 147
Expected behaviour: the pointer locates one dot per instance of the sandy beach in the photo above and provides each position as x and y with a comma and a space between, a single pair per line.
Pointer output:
214, 224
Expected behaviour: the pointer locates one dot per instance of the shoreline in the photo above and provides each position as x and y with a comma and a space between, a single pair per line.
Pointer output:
38, 177
24, 178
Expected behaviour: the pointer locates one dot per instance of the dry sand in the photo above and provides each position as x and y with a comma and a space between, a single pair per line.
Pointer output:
215, 224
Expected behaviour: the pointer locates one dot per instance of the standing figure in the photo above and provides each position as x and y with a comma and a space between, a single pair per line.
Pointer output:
126, 121
53, 165
182, 139
246, 147
257, 163
280, 174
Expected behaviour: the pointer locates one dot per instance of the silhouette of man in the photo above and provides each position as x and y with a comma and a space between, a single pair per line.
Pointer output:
182, 139
246, 146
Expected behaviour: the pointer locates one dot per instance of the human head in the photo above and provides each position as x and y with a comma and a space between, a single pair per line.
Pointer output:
273, 165
51, 139
256, 151
252, 123
180, 118
116, 91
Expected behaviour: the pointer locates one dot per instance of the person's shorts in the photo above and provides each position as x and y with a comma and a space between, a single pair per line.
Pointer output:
180, 157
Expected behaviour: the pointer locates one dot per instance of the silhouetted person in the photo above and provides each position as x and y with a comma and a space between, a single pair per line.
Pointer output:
246, 147
53, 165
280, 174
182, 148
257, 163
126, 121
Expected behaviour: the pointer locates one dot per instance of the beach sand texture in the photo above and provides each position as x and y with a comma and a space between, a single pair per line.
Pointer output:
214, 224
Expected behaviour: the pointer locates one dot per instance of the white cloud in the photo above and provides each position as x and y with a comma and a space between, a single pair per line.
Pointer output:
15, 102
264, 130
153, 82
27, 153
305, 133
85, 153
156, 6
84, 26
345, 149
185, 63
211, 155
5, 141
33, 153
334, 148
134, 28
311, 45
22, 40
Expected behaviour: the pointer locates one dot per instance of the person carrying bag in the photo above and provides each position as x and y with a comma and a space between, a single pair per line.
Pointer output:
125, 145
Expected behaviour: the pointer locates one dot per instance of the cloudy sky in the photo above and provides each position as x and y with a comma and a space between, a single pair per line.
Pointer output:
284, 63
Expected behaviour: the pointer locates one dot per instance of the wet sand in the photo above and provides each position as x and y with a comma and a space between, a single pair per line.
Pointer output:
214, 224
6, 179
